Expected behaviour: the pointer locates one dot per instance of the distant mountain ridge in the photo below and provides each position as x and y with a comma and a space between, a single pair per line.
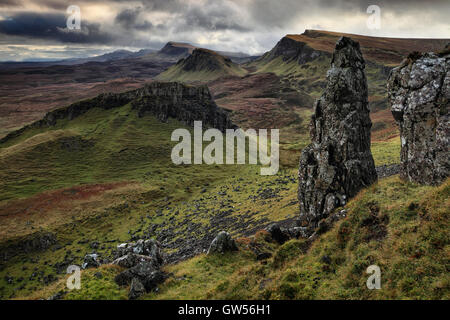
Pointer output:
381, 50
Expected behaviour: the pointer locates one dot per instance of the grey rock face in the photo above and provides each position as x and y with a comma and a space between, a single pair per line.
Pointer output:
338, 163
419, 93
222, 243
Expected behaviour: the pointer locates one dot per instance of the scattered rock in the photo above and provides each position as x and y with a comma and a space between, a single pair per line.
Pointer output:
222, 243
338, 163
419, 93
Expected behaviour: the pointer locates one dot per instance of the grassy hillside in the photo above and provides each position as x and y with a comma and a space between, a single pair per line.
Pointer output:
106, 177
401, 227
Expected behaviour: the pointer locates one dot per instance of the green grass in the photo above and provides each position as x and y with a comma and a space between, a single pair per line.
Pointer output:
401, 227
103, 146
386, 152
412, 255
112, 146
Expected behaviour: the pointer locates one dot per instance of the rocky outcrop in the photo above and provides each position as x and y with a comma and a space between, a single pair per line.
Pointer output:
338, 163
292, 50
182, 102
162, 99
143, 261
419, 93
222, 243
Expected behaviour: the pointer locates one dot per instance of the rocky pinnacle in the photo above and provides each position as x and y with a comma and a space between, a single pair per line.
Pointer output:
419, 94
338, 163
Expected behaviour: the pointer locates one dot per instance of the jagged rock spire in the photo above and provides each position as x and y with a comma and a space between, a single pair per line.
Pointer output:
338, 163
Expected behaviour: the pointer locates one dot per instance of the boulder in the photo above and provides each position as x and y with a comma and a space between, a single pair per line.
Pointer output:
145, 272
90, 261
131, 259
278, 234
137, 289
338, 163
128, 251
222, 243
419, 93
142, 260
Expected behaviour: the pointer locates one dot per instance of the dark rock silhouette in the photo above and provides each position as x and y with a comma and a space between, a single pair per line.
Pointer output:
338, 163
419, 93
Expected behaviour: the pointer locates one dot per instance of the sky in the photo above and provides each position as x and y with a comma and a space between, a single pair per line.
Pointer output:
37, 29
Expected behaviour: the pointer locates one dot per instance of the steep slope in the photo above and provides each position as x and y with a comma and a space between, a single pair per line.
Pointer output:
399, 226
202, 65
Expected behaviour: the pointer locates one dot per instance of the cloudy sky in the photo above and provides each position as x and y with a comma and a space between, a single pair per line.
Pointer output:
37, 29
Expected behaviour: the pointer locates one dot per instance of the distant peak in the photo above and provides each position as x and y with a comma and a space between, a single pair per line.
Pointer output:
177, 48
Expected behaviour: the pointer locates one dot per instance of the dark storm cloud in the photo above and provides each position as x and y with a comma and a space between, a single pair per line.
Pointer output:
9, 3
51, 26
211, 18
128, 19
252, 26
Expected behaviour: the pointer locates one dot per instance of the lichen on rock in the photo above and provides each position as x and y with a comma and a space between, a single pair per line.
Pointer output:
338, 163
419, 92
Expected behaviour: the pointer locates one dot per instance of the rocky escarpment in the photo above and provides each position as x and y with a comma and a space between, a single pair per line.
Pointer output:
292, 50
419, 93
162, 99
338, 163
